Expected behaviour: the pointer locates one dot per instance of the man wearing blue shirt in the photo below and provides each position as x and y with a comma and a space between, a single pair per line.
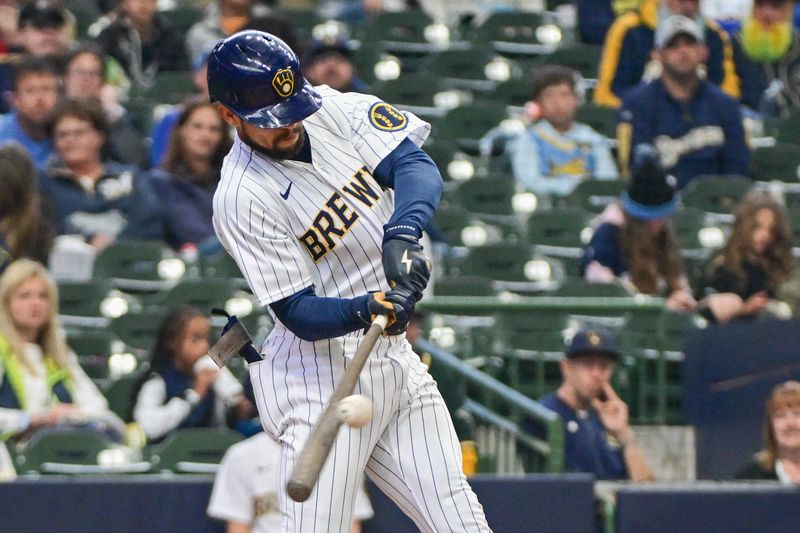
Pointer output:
696, 128
34, 95
599, 439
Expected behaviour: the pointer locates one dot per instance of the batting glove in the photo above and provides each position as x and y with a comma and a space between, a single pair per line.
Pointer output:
377, 304
405, 300
405, 264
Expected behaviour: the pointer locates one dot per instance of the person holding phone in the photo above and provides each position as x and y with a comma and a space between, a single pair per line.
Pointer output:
598, 435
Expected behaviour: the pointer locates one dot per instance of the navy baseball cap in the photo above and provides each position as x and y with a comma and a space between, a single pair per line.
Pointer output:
588, 341
42, 14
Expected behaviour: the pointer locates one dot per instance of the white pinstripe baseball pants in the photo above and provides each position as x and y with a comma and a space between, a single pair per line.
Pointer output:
409, 449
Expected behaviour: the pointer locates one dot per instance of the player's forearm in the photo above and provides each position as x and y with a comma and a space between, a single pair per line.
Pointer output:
314, 318
417, 186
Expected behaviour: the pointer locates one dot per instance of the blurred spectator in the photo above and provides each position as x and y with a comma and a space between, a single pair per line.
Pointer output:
190, 174
43, 29
34, 95
24, 229
84, 79
696, 128
41, 382
637, 245
184, 388
767, 54
599, 438
223, 18
780, 458
144, 42
101, 200
553, 155
596, 16
755, 261
162, 130
331, 63
245, 495
629, 44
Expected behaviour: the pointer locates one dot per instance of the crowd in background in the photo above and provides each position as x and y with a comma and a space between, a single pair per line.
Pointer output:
683, 75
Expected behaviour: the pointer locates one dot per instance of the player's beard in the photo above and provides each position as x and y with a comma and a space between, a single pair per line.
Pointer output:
277, 153
766, 43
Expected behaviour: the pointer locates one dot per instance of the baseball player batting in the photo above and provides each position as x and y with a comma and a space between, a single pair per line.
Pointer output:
322, 202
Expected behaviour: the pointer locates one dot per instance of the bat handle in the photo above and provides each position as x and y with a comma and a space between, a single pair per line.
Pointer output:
381, 320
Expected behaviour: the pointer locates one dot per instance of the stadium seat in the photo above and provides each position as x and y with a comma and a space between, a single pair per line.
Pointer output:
716, 194
594, 195
464, 286
505, 262
560, 228
485, 196
599, 118
205, 293
184, 17
169, 87
55, 451
462, 68
139, 266
82, 298
780, 162
119, 393
303, 21
221, 265
789, 129
195, 450
583, 58
93, 348
396, 30
513, 33
467, 125
414, 92
138, 330
514, 92
687, 224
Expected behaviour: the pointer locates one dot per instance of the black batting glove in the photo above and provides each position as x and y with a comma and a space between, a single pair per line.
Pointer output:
377, 304
404, 302
405, 264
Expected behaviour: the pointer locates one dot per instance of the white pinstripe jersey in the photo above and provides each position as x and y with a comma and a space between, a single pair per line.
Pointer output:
289, 224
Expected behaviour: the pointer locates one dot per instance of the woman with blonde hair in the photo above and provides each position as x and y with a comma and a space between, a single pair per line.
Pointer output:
780, 458
41, 383
746, 273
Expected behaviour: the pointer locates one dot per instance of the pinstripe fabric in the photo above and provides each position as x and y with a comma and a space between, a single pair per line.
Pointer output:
274, 218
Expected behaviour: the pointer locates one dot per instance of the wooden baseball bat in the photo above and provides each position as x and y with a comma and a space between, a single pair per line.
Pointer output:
314, 454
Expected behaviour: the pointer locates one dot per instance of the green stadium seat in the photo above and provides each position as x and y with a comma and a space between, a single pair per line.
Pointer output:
414, 91
119, 393
195, 450
468, 124
558, 228
396, 29
513, 33
780, 162
789, 129
139, 265
584, 58
184, 17
486, 196
82, 298
58, 450
303, 21
221, 265
464, 286
579, 287
716, 194
595, 195
599, 118
204, 293
169, 88
462, 68
687, 224
139, 330
505, 262
93, 348
515, 92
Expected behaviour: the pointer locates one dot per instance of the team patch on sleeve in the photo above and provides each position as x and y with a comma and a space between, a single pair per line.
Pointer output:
386, 117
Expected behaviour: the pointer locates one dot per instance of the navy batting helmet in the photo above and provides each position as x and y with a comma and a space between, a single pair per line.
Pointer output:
258, 77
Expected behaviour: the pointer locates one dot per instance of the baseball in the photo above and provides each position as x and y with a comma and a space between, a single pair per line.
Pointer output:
355, 410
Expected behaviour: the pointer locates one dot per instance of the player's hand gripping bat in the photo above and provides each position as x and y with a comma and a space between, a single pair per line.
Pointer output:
313, 456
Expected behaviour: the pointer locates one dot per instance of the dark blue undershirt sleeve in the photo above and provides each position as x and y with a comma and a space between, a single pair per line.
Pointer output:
417, 186
314, 318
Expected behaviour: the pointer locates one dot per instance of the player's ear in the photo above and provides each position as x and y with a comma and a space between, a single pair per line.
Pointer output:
231, 118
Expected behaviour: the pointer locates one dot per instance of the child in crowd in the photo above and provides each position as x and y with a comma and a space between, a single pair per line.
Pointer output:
184, 387
636, 244
757, 258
